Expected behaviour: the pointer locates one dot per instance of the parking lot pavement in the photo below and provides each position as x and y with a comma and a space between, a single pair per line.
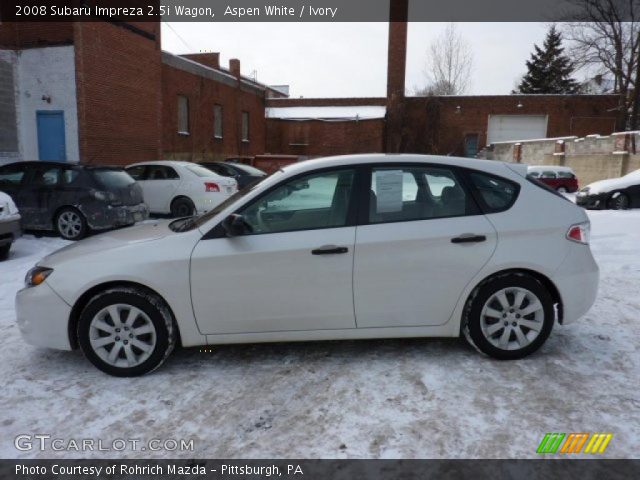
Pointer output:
419, 398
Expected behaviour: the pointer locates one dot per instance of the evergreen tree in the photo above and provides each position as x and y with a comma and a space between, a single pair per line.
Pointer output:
549, 70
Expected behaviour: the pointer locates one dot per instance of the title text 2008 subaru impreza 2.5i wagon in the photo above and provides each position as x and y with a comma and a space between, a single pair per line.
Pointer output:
366, 246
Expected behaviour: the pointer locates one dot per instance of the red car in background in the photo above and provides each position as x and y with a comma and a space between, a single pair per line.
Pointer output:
561, 179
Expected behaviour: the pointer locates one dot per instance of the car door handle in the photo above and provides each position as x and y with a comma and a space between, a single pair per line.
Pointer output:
468, 238
329, 250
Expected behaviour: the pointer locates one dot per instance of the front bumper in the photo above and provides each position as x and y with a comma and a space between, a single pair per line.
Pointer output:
9, 229
43, 317
593, 201
111, 217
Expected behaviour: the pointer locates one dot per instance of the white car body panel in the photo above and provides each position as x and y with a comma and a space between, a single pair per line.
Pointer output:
267, 288
410, 274
159, 194
270, 269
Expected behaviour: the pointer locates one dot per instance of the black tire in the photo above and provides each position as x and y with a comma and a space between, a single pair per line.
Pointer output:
621, 202
4, 251
156, 311
65, 218
472, 321
182, 207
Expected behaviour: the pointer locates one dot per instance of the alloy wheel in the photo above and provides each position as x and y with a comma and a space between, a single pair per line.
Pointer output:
512, 318
122, 335
70, 224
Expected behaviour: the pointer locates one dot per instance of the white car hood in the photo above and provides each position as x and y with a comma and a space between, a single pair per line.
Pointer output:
145, 232
609, 184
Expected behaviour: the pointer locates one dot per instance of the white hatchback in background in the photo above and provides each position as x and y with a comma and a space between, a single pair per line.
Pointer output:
181, 188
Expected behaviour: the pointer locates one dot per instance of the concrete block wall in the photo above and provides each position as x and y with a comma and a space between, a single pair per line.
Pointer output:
593, 157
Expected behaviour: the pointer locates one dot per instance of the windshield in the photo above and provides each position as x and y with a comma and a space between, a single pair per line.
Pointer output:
113, 178
200, 171
189, 223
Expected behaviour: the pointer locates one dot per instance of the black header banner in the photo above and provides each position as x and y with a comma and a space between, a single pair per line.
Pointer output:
308, 10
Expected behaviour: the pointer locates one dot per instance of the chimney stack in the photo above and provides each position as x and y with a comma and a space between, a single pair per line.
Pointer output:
397, 48
234, 67
396, 65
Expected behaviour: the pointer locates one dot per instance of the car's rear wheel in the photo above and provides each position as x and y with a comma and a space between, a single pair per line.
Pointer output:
562, 190
126, 332
71, 224
510, 316
182, 207
619, 202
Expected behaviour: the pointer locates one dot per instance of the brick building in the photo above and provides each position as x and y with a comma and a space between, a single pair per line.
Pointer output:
103, 92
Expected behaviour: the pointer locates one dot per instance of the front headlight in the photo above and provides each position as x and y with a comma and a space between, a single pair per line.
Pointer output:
36, 276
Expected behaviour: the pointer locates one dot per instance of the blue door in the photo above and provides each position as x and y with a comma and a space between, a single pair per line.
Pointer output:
471, 145
51, 144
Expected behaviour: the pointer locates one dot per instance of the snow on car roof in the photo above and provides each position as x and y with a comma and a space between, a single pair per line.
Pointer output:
556, 168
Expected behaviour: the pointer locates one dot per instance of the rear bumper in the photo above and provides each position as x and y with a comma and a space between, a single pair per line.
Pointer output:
110, 217
43, 317
592, 202
577, 282
9, 229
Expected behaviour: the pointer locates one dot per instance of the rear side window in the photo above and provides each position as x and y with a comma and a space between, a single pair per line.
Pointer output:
408, 193
113, 179
199, 170
496, 193
161, 172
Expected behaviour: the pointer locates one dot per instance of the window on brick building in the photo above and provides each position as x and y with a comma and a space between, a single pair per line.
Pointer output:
217, 121
245, 126
183, 114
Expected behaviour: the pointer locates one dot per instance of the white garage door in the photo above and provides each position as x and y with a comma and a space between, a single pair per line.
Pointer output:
503, 128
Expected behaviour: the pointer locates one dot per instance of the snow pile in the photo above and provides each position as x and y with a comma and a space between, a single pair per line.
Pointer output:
421, 398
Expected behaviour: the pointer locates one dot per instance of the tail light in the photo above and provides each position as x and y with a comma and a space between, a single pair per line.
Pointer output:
211, 187
579, 233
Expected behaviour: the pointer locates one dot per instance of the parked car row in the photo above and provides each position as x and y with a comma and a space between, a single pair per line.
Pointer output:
73, 200
613, 193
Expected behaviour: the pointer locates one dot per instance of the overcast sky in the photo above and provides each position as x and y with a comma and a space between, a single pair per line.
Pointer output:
350, 59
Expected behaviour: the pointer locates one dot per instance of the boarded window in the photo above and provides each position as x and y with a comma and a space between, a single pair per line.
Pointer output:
217, 121
245, 126
183, 114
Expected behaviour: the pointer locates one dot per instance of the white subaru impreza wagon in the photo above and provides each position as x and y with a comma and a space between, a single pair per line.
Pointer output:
352, 247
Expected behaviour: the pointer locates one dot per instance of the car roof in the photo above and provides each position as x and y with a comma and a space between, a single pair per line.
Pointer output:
342, 160
33, 163
168, 163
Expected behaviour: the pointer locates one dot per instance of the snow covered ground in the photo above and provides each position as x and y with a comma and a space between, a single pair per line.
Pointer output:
420, 398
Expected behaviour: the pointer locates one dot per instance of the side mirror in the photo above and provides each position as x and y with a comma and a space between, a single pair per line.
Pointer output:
235, 225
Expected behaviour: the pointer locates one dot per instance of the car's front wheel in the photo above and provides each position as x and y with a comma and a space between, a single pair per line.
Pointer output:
4, 251
562, 190
71, 224
619, 202
126, 331
510, 316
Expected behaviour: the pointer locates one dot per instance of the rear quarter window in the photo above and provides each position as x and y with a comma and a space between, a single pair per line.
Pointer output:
496, 194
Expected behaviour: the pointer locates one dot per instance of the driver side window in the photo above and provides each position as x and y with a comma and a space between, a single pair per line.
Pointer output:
314, 201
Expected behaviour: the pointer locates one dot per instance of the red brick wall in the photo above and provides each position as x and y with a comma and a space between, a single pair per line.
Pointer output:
203, 94
434, 125
118, 83
35, 34
315, 138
